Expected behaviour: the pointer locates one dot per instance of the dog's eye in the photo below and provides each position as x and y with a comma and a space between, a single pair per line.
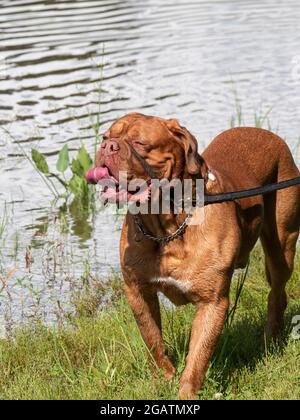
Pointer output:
137, 143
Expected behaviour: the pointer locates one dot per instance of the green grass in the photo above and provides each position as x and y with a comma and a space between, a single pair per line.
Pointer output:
100, 355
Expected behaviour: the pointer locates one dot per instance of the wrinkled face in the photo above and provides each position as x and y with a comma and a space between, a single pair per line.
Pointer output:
146, 147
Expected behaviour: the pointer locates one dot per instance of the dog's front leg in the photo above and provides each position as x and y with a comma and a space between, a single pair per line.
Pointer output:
206, 329
145, 306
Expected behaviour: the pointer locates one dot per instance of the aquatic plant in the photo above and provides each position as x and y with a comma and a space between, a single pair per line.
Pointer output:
77, 166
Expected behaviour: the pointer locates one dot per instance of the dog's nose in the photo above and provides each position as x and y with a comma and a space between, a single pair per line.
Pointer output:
110, 146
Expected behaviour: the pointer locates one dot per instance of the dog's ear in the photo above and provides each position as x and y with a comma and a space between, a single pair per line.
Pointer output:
194, 161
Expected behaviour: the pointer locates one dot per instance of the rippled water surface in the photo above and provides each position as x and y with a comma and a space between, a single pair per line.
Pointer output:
199, 61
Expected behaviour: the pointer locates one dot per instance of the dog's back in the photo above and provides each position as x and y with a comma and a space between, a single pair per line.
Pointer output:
251, 156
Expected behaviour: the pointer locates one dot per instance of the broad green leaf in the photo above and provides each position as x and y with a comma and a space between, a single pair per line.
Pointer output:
40, 161
75, 185
84, 158
77, 168
63, 159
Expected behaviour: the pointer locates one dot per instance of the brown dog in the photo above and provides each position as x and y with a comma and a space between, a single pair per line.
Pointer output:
198, 265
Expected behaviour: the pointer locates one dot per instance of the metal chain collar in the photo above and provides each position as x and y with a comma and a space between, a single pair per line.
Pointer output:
164, 239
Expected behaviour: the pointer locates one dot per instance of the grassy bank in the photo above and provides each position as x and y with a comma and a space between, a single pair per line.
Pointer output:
100, 355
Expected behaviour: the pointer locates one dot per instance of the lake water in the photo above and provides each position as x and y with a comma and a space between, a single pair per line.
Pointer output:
198, 61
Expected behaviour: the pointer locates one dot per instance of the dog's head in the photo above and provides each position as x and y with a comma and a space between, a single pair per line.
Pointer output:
147, 147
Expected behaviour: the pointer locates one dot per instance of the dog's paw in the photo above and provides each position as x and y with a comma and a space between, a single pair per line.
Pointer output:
186, 392
170, 373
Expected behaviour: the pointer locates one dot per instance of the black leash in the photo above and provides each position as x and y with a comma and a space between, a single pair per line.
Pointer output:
228, 196
218, 198
252, 192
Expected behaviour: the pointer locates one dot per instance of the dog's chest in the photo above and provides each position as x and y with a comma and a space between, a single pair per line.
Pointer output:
170, 271
182, 286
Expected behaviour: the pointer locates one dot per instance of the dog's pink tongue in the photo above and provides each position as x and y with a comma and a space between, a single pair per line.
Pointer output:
95, 174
